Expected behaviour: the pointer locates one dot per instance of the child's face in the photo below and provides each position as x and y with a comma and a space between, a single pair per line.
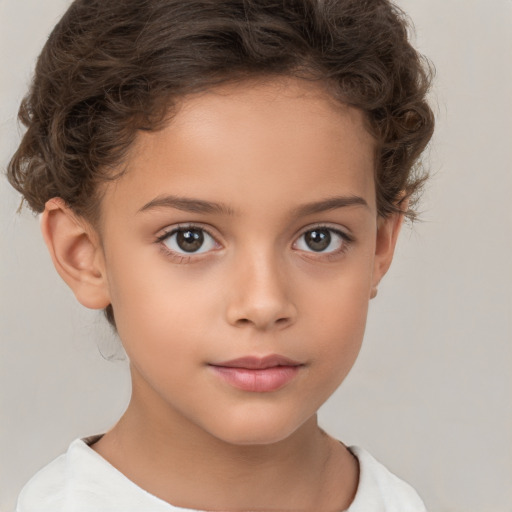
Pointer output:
263, 275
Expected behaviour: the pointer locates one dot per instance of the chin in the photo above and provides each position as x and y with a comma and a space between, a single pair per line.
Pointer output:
260, 430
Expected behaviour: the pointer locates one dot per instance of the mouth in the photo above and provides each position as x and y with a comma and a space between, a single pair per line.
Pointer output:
257, 374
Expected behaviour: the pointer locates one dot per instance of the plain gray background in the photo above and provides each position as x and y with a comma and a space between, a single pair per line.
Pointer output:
431, 394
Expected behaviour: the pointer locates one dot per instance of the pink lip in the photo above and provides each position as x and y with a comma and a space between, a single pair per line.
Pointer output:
258, 374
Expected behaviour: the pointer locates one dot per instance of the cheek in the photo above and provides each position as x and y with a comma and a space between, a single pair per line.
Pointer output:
337, 317
339, 331
158, 311
158, 331
337, 342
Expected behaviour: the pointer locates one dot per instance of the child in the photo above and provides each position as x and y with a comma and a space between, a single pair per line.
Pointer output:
227, 180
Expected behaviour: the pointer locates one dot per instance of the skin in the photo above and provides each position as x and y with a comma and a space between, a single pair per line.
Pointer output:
262, 149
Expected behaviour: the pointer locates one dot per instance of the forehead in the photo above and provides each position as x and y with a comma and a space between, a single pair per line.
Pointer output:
253, 141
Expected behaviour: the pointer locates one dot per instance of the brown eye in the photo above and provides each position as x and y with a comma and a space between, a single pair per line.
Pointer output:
318, 240
323, 240
192, 240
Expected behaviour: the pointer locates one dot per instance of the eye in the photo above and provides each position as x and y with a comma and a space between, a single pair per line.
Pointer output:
188, 240
324, 240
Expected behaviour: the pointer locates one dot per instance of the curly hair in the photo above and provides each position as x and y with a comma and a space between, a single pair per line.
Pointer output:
112, 68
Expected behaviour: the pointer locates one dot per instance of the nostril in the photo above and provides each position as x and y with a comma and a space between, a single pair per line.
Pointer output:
278, 322
272, 312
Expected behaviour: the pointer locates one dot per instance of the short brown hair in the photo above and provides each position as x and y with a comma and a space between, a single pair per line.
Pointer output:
111, 68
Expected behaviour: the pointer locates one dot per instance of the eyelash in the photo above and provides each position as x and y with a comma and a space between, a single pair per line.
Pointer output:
347, 240
175, 256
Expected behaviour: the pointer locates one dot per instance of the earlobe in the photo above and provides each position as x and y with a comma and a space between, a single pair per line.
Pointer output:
388, 230
76, 253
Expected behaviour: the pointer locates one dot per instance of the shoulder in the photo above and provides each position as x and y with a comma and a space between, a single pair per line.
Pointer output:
379, 490
45, 490
82, 481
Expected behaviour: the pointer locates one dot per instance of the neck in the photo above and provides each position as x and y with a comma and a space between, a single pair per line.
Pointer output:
182, 464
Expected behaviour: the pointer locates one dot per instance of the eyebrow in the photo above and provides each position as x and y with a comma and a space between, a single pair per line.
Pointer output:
187, 204
192, 205
331, 203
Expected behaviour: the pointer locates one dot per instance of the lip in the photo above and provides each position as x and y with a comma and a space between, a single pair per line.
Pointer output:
259, 363
258, 374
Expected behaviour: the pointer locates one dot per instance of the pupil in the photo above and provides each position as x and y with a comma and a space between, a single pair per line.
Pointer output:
190, 240
318, 240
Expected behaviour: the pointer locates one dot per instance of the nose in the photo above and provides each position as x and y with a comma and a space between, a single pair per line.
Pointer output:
260, 294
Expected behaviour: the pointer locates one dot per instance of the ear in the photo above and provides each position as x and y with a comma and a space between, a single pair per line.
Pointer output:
76, 253
388, 230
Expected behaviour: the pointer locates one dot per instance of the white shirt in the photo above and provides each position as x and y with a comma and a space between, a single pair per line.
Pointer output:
82, 481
